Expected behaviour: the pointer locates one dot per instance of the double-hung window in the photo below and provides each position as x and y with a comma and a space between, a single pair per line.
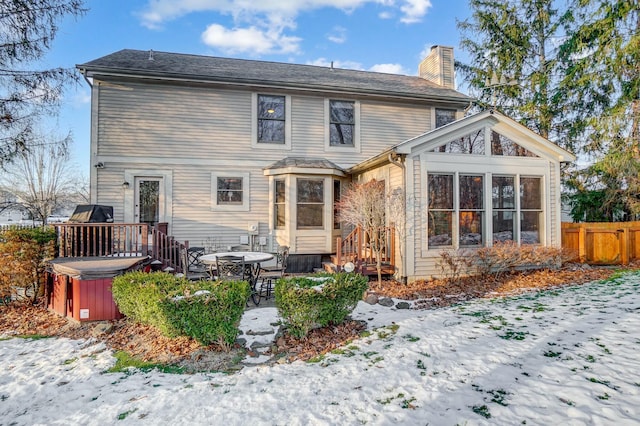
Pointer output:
271, 119
341, 123
310, 203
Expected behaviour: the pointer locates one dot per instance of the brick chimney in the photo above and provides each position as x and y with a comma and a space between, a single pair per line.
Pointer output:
437, 67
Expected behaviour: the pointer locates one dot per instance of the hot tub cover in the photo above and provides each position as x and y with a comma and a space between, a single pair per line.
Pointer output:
84, 268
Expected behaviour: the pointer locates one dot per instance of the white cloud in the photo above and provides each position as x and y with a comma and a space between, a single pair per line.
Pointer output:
259, 26
414, 10
389, 69
249, 40
338, 35
278, 12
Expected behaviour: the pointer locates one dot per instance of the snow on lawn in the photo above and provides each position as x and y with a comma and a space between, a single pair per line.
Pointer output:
566, 356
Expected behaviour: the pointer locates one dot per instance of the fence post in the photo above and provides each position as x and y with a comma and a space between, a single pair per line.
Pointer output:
582, 244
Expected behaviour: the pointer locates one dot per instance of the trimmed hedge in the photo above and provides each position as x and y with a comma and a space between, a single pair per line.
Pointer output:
305, 303
208, 311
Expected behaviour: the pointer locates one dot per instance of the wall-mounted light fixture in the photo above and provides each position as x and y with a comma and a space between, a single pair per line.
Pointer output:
99, 165
125, 185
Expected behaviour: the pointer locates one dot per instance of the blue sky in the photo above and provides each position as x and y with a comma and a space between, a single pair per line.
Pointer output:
377, 35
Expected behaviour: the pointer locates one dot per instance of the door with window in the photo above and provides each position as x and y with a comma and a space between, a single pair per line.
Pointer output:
148, 200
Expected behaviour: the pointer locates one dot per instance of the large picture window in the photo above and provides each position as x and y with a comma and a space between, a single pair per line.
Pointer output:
310, 203
457, 208
341, 123
271, 119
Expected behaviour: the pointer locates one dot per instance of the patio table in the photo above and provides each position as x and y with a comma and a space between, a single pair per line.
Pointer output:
251, 258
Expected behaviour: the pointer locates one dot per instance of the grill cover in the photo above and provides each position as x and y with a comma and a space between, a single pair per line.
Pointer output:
92, 213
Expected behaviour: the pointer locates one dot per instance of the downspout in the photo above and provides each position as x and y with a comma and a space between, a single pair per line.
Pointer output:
393, 159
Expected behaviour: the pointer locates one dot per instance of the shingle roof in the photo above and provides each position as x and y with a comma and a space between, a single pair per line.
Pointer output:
178, 66
304, 162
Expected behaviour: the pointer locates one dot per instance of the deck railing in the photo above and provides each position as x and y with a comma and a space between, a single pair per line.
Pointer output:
359, 248
119, 240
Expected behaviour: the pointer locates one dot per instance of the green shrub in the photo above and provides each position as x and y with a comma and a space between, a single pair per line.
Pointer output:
305, 303
208, 311
138, 296
23, 256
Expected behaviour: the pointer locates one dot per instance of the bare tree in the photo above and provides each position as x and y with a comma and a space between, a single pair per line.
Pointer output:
363, 205
40, 180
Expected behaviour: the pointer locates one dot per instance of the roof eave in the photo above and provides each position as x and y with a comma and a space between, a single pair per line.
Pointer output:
96, 72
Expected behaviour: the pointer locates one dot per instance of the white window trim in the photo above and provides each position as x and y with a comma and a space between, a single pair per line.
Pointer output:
287, 123
327, 127
244, 207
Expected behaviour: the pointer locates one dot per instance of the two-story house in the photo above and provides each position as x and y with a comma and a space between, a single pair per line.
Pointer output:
225, 150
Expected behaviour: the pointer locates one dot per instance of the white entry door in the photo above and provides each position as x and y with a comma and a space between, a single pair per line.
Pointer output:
149, 200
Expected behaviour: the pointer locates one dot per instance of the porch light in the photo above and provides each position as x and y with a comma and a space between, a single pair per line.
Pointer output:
125, 185
349, 267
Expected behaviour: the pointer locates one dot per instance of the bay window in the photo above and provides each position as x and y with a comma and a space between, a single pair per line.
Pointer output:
310, 203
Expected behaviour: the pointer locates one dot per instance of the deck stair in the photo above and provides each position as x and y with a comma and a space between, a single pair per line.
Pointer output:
356, 248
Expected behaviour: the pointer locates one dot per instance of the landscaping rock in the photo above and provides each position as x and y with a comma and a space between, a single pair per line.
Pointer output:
371, 299
386, 301
102, 328
403, 305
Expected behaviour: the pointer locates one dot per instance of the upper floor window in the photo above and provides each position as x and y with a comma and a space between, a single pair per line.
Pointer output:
444, 116
341, 123
271, 119
502, 145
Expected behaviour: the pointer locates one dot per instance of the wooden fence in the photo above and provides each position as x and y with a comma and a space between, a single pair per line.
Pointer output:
613, 243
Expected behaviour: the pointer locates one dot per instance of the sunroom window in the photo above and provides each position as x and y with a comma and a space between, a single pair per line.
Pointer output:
471, 220
457, 209
440, 202
504, 207
530, 210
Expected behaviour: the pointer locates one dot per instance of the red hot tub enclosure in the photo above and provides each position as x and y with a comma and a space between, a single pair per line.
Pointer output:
80, 288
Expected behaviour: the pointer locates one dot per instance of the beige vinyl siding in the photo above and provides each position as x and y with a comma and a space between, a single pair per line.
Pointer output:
180, 122
307, 126
383, 125
309, 243
448, 74
111, 194
171, 121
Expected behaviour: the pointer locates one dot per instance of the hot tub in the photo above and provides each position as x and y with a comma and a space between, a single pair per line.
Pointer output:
80, 287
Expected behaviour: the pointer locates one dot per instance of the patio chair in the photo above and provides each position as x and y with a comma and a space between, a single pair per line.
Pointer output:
231, 268
191, 268
270, 274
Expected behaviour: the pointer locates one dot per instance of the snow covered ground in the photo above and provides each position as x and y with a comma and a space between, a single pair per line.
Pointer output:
568, 356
